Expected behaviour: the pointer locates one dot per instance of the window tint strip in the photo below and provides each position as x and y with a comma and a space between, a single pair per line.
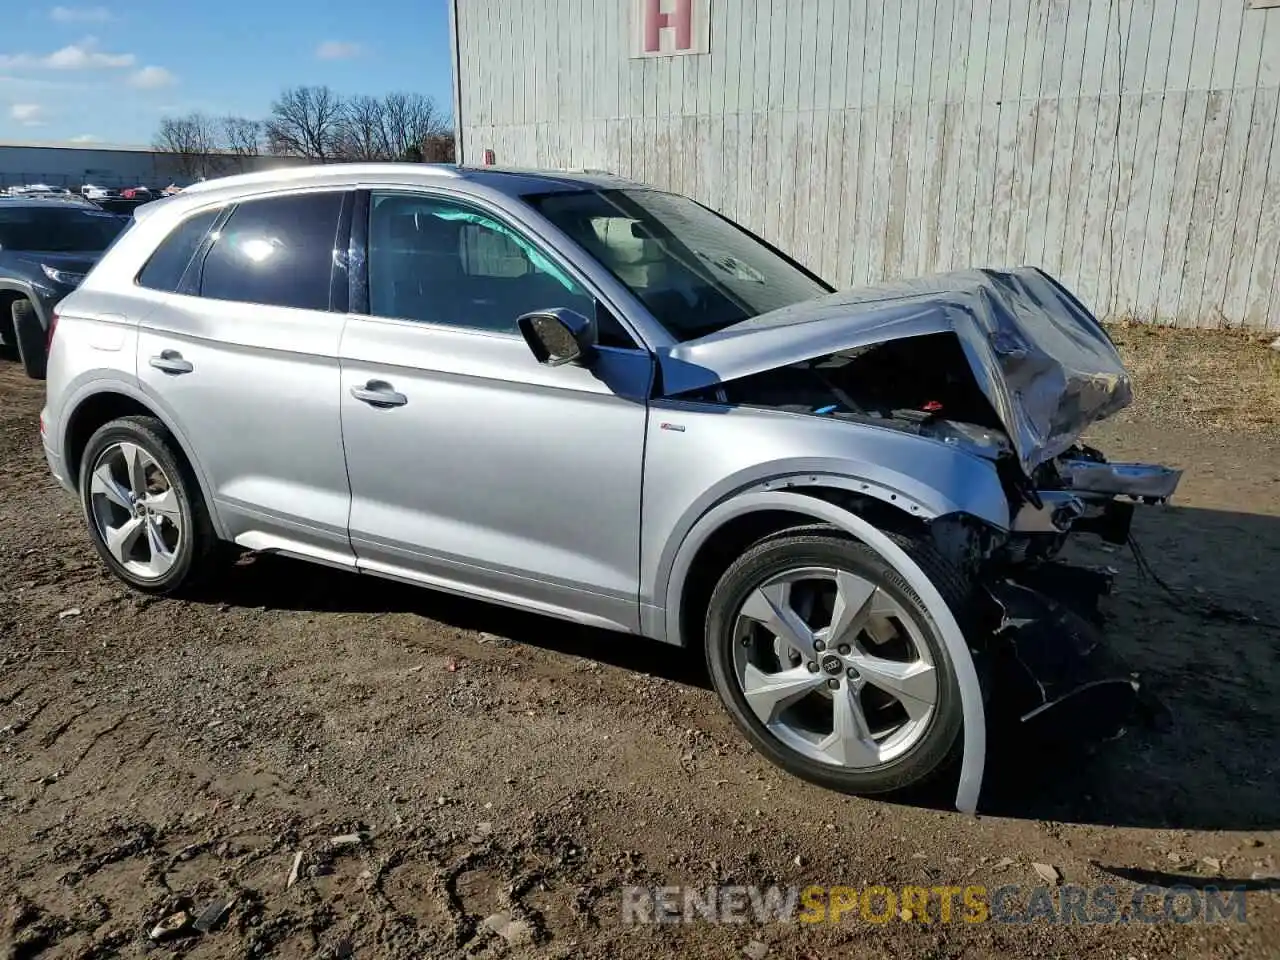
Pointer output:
190, 282
358, 266
339, 283
171, 259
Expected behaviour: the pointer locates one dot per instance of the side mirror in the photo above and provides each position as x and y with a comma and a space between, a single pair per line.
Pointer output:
559, 336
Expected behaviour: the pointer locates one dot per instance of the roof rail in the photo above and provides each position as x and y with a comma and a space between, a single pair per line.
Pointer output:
320, 171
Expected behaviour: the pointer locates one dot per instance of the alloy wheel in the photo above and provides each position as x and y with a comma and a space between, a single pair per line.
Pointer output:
834, 667
135, 510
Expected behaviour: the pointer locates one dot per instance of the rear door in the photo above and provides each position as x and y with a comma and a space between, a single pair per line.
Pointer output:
472, 466
242, 353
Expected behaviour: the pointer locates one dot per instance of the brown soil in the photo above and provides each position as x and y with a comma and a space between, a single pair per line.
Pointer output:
160, 755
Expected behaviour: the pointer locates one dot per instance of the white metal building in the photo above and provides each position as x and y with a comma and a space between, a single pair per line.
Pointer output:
74, 164
1128, 146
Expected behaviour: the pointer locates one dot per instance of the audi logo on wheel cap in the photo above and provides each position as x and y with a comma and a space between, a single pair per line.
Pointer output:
832, 664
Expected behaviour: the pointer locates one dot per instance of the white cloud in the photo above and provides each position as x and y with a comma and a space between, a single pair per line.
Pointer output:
80, 14
84, 55
338, 50
84, 138
152, 78
27, 114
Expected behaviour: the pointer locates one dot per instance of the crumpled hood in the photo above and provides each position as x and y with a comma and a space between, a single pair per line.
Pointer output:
1042, 360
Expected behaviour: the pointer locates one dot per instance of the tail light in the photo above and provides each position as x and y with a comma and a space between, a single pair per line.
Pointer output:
53, 325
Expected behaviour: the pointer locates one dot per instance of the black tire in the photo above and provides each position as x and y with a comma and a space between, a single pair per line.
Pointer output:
8, 330
196, 549
937, 751
29, 336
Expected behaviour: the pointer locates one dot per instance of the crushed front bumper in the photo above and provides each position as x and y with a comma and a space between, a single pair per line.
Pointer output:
1094, 496
1052, 676
1048, 672
1148, 482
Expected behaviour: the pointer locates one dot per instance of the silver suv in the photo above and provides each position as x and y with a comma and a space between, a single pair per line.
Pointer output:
580, 396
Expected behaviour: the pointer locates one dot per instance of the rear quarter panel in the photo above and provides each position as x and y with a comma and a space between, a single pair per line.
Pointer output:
92, 350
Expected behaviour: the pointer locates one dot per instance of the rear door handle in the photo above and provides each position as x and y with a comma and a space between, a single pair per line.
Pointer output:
379, 393
170, 361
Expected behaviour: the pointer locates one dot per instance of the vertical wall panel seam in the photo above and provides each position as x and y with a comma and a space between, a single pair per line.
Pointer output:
1218, 198
1186, 243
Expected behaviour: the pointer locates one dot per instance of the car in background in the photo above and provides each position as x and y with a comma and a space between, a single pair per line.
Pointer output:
95, 192
47, 246
39, 190
121, 205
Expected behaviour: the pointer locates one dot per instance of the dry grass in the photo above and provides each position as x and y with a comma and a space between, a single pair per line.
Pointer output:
1209, 378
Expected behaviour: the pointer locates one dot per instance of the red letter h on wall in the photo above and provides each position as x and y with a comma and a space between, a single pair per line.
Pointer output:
655, 20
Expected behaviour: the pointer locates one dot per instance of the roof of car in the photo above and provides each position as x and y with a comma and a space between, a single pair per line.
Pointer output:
506, 180
47, 200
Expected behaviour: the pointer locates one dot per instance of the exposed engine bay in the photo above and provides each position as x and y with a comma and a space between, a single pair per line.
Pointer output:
920, 384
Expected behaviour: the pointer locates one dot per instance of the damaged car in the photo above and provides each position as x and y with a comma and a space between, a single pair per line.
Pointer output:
579, 396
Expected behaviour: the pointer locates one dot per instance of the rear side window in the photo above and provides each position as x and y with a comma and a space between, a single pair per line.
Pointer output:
165, 269
277, 251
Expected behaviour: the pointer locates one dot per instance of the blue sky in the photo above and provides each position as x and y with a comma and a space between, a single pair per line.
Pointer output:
108, 72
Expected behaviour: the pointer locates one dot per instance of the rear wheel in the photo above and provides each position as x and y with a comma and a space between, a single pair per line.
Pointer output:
832, 665
8, 328
29, 338
146, 517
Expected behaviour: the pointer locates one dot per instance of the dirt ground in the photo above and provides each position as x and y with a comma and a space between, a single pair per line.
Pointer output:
165, 755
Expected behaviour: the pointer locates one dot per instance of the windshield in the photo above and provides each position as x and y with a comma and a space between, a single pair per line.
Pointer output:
694, 270
57, 229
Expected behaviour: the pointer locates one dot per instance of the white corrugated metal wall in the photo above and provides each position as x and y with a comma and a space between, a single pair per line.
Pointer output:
1129, 146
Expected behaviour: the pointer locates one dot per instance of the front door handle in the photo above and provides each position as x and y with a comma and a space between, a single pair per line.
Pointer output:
379, 393
170, 361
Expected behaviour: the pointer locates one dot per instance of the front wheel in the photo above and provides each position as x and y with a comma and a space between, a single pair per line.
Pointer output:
832, 666
146, 517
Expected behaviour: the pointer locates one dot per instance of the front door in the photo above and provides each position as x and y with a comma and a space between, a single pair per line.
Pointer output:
473, 467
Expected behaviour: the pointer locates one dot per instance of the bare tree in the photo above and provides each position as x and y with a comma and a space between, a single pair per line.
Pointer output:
312, 122
193, 142
305, 122
242, 138
411, 119
363, 130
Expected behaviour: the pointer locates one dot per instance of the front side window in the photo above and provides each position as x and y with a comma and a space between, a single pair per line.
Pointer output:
695, 271
53, 228
277, 251
165, 269
439, 261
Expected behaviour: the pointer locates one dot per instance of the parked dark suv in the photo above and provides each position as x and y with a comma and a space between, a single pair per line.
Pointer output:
46, 248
